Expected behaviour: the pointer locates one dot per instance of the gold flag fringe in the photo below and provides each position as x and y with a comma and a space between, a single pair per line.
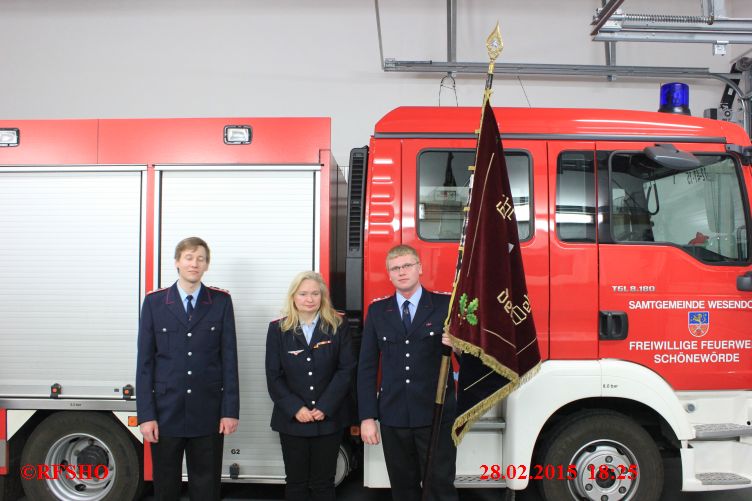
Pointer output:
515, 381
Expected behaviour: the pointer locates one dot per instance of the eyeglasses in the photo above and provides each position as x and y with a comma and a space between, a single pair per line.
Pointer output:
404, 267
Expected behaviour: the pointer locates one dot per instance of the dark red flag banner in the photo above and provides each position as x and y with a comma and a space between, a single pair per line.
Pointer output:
490, 318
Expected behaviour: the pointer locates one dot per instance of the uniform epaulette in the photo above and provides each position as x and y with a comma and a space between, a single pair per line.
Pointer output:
376, 300
278, 319
218, 289
157, 290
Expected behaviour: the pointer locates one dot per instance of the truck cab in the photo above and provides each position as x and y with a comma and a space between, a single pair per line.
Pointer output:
634, 229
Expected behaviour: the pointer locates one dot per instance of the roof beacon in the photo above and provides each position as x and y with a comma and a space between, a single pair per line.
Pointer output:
675, 98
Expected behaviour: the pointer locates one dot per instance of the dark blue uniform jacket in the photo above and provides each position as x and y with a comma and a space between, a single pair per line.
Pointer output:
410, 363
187, 373
318, 375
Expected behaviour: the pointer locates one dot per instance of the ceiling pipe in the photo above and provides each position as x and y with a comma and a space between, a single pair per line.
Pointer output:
610, 51
452, 31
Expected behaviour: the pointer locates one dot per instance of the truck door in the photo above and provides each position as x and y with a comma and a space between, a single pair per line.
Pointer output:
672, 243
435, 190
574, 256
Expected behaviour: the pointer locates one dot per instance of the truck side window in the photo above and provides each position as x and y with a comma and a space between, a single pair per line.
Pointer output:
575, 196
699, 210
443, 190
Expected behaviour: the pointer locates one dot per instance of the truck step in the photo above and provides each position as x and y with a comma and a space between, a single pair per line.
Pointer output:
489, 424
721, 478
475, 482
721, 430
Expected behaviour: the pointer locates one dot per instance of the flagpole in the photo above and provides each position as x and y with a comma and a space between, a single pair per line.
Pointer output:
494, 45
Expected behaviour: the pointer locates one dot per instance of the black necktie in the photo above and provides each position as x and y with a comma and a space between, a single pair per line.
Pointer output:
406, 320
189, 309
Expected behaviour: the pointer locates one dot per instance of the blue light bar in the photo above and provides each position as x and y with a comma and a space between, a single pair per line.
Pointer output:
675, 98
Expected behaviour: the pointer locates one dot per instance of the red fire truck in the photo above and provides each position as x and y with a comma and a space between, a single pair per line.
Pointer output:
635, 233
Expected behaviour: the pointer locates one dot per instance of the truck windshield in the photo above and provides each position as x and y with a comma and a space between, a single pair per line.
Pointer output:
699, 210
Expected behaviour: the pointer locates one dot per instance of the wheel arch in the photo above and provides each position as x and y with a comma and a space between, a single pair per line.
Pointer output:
42, 415
602, 438
562, 387
106, 430
648, 418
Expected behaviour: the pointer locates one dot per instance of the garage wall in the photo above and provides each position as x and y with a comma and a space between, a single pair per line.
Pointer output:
196, 58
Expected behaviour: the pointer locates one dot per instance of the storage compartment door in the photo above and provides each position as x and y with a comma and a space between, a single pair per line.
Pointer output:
261, 227
69, 262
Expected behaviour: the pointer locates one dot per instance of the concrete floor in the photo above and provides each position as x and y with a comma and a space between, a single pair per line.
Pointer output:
352, 490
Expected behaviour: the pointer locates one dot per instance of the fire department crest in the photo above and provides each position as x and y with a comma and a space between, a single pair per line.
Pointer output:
698, 323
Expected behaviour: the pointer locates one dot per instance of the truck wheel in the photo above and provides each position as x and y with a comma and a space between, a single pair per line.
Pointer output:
344, 463
83, 456
602, 446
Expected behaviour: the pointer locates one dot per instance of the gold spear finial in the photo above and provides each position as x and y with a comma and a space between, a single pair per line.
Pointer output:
495, 45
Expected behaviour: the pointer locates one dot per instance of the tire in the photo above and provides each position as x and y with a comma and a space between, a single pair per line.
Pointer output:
602, 445
344, 463
81, 440
10, 484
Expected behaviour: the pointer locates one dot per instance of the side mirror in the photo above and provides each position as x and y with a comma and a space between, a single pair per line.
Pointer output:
668, 156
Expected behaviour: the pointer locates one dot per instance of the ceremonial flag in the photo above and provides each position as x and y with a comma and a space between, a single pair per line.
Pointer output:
490, 318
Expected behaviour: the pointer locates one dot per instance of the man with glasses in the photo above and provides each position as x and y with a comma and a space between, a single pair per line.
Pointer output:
406, 330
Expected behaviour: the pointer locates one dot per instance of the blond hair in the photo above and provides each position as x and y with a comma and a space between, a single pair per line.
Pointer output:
191, 243
328, 316
401, 250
